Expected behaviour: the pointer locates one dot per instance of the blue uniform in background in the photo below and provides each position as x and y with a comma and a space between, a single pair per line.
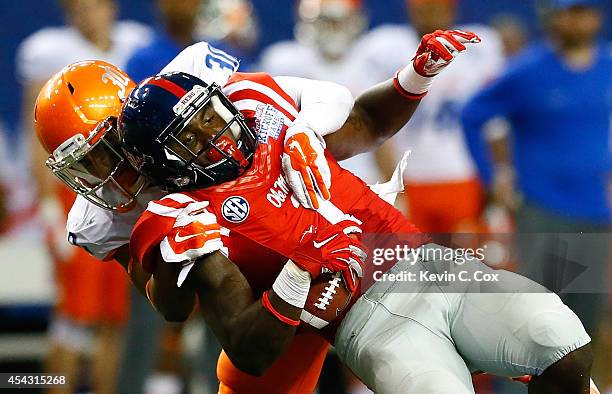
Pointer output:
151, 59
560, 120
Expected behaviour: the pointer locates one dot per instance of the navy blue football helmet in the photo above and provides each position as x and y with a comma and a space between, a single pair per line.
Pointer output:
184, 134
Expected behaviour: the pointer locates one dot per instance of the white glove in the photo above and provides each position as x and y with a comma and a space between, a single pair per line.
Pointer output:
435, 52
305, 166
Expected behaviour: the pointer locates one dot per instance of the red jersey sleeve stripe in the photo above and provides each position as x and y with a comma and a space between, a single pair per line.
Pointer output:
164, 210
176, 200
250, 94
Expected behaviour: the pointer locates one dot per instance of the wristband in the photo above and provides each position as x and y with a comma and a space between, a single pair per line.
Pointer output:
411, 84
265, 301
292, 285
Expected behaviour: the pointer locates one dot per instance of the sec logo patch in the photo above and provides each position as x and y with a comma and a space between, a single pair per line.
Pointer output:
235, 209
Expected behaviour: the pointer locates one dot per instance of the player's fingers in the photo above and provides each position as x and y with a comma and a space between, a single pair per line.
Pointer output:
451, 42
320, 182
312, 196
465, 36
359, 253
439, 49
349, 280
305, 193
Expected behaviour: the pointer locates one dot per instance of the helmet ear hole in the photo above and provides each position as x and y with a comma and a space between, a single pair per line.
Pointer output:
70, 87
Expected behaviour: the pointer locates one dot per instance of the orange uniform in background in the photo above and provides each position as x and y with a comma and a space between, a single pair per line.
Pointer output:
89, 291
445, 207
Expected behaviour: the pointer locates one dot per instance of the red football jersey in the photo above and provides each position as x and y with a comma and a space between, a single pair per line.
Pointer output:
262, 224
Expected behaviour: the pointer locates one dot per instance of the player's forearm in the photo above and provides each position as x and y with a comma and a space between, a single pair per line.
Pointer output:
252, 336
258, 338
137, 276
173, 302
377, 115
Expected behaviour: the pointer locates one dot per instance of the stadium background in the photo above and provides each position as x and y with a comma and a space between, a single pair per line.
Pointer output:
20, 18
276, 22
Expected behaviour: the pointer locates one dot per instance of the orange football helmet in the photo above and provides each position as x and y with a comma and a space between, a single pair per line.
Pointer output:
75, 119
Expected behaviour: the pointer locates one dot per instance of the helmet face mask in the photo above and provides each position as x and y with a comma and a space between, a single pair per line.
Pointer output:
206, 141
96, 168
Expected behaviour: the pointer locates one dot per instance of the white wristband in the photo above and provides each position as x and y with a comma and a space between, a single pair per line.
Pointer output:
292, 285
413, 82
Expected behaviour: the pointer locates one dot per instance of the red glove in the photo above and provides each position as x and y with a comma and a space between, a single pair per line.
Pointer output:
439, 48
436, 51
332, 249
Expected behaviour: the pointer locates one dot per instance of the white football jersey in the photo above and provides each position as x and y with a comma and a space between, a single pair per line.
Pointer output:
293, 58
434, 134
100, 231
48, 50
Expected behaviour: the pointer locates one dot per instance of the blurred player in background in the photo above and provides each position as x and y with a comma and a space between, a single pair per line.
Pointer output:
512, 32
93, 301
151, 344
442, 189
327, 47
557, 97
230, 25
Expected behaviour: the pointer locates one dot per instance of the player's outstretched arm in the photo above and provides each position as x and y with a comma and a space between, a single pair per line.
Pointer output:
382, 110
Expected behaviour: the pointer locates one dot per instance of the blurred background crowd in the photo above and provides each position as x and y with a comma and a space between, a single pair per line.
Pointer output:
512, 139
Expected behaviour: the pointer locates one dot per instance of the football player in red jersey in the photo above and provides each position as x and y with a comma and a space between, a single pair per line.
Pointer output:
286, 368
103, 232
199, 141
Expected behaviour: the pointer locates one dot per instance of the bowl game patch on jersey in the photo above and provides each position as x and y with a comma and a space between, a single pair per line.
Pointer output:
268, 122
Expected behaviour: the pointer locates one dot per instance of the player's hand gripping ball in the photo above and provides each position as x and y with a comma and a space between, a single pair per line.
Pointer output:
327, 299
335, 248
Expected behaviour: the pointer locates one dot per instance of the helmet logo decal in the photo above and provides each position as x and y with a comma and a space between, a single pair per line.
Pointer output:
235, 209
113, 76
191, 96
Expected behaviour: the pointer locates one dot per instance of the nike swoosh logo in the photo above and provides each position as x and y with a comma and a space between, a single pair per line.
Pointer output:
178, 238
319, 244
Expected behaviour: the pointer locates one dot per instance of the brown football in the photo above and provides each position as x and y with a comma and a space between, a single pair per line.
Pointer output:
327, 298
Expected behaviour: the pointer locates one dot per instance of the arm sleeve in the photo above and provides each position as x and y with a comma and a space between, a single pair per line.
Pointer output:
324, 106
494, 101
206, 62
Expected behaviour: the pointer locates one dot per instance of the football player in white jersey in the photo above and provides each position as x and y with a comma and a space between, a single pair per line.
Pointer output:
327, 47
83, 316
442, 189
